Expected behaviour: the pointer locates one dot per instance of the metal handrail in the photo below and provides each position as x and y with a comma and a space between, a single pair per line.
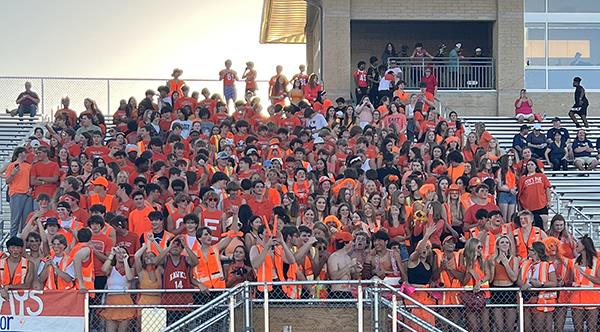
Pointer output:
205, 308
421, 306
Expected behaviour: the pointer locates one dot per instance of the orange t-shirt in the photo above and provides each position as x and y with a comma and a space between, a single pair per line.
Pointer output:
139, 222
20, 183
484, 140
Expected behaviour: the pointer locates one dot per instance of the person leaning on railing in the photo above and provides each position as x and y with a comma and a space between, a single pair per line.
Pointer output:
586, 274
537, 272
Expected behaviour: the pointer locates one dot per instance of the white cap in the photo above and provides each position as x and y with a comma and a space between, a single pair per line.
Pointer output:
35, 143
478, 49
537, 126
319, 140
458, 45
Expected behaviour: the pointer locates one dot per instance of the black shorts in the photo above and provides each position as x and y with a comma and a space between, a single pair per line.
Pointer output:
579, 110
540, 212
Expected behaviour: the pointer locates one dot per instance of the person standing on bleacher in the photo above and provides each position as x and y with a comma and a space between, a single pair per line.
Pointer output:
17, 177
581, 104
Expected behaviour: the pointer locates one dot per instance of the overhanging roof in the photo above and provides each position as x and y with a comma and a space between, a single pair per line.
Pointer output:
283, 22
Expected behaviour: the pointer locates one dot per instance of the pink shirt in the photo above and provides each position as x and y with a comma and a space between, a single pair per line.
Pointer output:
524, 109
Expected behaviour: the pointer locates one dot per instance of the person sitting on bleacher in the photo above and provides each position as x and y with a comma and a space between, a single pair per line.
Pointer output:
582, 151
536, 141
519, 141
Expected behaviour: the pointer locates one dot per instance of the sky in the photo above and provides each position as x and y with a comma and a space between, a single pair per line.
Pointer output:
136, 38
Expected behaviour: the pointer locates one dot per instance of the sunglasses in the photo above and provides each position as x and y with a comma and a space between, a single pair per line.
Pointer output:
212, 199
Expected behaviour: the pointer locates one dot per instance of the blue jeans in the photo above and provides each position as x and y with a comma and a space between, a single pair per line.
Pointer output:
31, 109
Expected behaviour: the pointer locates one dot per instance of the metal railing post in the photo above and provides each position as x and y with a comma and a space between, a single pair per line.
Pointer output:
41, 110
266, 307
360, 308
247, 308
521, 313
232, 313
394, 313
108, 97
376, 309
86, 313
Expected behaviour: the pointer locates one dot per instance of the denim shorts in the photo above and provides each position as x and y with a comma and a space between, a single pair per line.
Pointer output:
506, 198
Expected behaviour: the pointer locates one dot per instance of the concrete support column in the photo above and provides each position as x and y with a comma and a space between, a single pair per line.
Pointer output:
336, 50
508, 46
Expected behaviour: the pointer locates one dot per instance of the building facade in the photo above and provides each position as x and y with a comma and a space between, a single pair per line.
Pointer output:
533, 44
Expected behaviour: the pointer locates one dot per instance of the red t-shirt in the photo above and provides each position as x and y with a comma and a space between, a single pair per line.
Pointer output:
532, 191
472, 210
260, 208
103, 244
360, 77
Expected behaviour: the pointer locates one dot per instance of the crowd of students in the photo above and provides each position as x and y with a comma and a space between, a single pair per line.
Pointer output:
186, 193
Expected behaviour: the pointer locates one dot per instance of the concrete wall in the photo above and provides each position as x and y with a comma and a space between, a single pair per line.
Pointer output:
559, 103
470, 103
507, 16
313, 38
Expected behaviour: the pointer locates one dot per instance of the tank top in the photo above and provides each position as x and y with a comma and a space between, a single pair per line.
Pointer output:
500, 273
147, 283
116, 280
212, 220
419, 274
176, 277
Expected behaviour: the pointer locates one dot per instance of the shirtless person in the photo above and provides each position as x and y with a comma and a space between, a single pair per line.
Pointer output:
359, 250
341, 267
15, 268
379, 262
228, 76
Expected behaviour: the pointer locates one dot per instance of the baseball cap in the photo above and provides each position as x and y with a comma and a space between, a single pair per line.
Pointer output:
100, 181
324, 178
458, 45
35, 143
537, 126
453, 187
131, 148
52, 221
319, 140
448, 238
251, 151
478, 49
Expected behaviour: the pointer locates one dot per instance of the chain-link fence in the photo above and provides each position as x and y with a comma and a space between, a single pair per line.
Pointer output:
106, 92
346, 306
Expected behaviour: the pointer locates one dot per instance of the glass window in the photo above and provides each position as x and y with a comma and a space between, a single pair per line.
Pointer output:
572, 6
563, 79
535, 6
573, 44
535, 49
535, 79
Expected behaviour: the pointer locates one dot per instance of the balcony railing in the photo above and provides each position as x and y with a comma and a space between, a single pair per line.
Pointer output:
476, 73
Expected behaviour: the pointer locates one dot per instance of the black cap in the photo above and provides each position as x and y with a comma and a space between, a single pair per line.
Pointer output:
52, 221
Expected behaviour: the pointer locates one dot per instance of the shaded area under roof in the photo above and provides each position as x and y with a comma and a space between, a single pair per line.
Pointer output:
283, 22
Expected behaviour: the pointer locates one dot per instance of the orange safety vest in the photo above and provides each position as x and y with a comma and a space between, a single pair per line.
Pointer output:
522, 245
19, 274
579, 280
107, 202
448, 297
490, 243
87, 268
209, 270
56, 282
265, 273
162, 244
175, 86
543, 298
306, 268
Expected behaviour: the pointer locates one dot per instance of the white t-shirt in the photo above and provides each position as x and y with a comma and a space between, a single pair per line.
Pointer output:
70, 269
317, 121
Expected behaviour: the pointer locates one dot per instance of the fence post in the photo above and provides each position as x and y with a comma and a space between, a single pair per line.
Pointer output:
376, 309
108, 97
394, 313
247, 308
86, 312
360, 308
521, 313
232, 313
266, 307
42, 99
